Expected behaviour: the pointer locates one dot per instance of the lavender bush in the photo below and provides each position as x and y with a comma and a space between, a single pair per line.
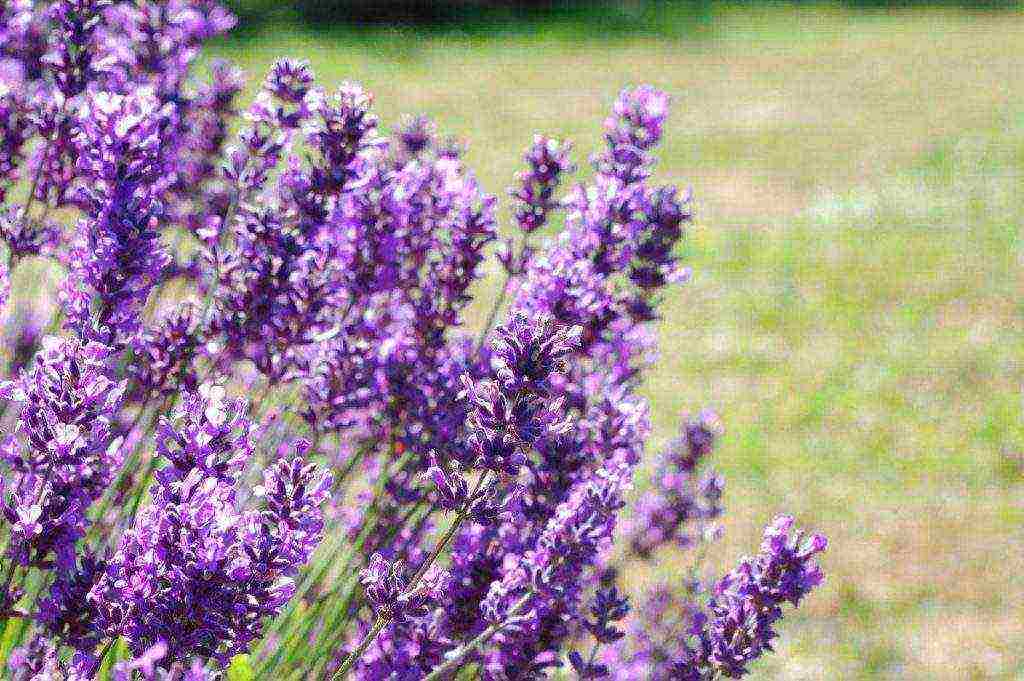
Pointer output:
400, 499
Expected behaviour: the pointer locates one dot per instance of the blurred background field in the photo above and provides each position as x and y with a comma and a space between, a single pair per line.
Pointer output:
856, 314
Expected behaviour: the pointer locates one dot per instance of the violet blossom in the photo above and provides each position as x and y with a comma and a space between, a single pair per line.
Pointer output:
331, 266
679, 506
738, 624
118, 255
60, 456
205, 572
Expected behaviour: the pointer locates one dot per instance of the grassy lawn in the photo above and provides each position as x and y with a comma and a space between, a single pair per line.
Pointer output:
856, 314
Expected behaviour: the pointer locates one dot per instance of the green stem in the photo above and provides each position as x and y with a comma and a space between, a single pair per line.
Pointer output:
378, 626
499, 302
327, 635
443, 543
104, 653
413, 583
456, 657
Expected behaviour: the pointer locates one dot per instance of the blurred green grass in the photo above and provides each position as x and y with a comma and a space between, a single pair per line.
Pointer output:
856, 313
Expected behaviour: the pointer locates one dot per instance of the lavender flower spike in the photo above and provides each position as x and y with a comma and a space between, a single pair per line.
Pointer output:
60, 455
391, 595
680, 505
632, 130
196, 572
118, 256
548, 160
517, 408
738, 625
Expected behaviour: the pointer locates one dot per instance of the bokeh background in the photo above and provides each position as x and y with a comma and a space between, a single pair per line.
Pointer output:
856, 314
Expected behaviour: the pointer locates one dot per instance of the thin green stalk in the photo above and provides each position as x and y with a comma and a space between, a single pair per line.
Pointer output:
307, 622
318, 569
439, 548
456, 657
103, 653
499, 302
443, 543
329, 638
324, 648
378, 626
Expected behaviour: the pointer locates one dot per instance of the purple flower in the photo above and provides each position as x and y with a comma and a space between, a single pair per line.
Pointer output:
609, 607
200, 196
503, 424
282, 284
679, 506
258, 151
118, 256
513, 412
163, 356
550, 573
25, 236
485, 505
60, 456
65, 611
343, 131
452, 488
415, 134
291, 524
5, 284
289, 80
654, 264
634, 127
270, 301
36, 661
390, 594
408, 244
548, 160
23, 334
23, 26
587, 669
341, 261
75, 57
15, 126
738, 624
528, 355
197, 572
148, 666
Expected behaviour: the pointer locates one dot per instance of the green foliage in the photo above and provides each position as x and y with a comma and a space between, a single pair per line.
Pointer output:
241, 669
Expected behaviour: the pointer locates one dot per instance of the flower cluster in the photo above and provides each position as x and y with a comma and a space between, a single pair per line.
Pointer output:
165, 352
516, 410
548, 160
678, 506
389, 591
118, 257
197, 573
737, 626
61, 455
159, 528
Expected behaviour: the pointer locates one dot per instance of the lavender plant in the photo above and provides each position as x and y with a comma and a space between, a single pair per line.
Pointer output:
402, 499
